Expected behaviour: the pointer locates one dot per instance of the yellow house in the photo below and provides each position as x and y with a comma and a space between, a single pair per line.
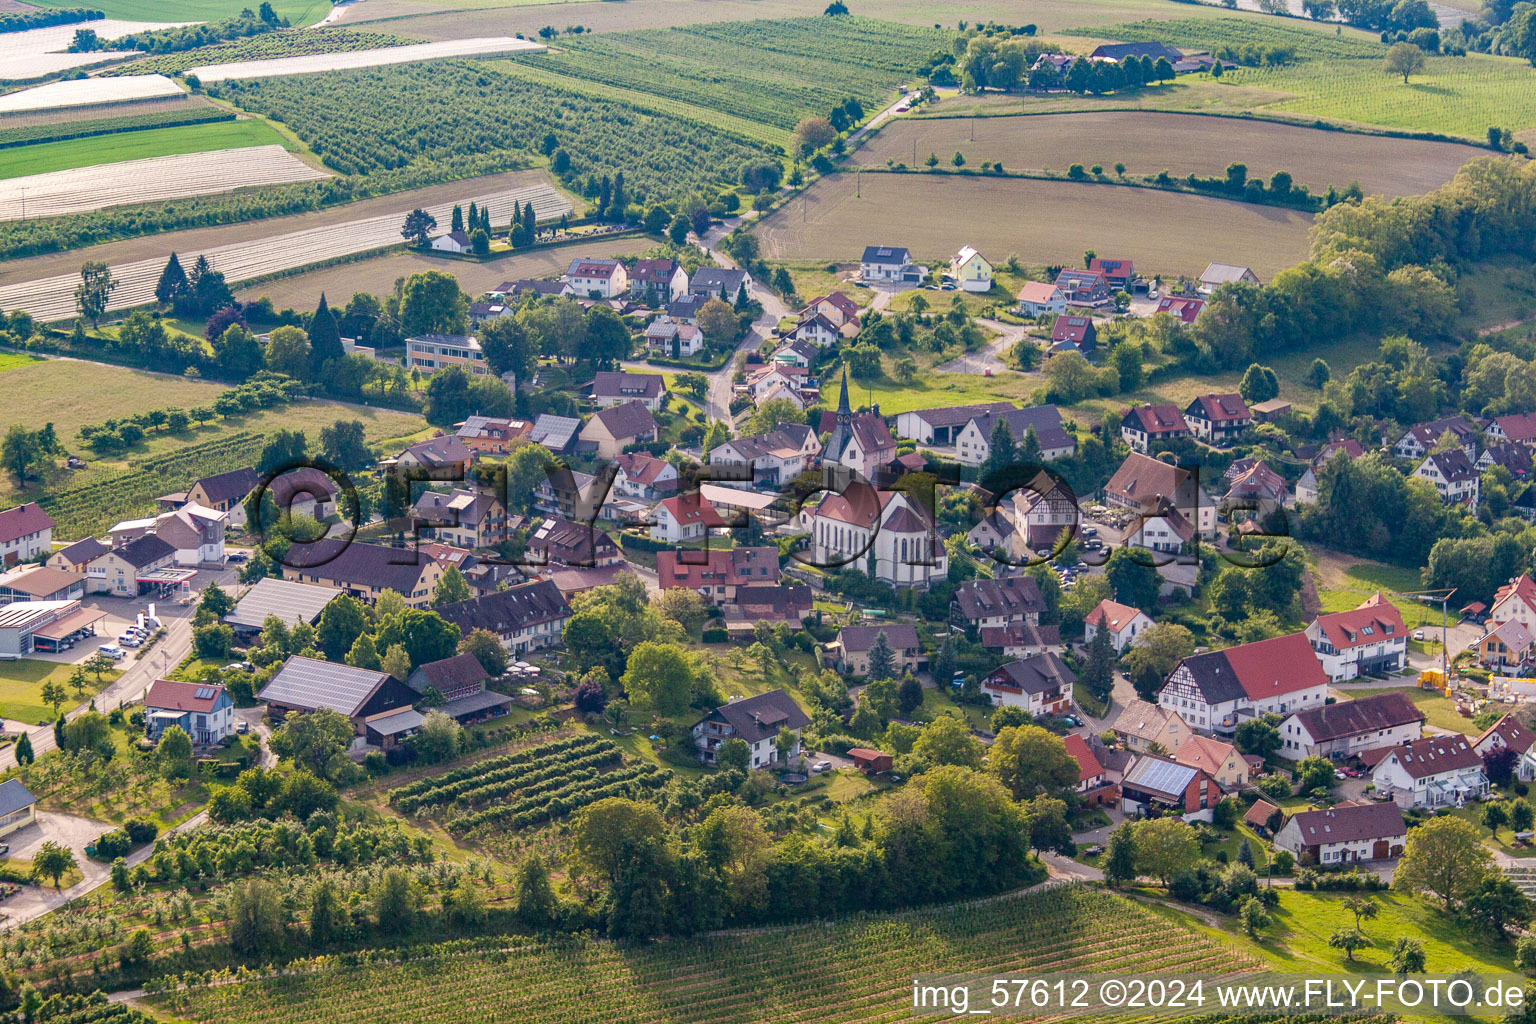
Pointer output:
971, 270
18, 807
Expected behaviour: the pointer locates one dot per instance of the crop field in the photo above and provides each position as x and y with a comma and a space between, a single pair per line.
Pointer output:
268, 45
1047, 222
153, 179
377, 275
84, 91
858, 969
1458, 96
1308, 40
41, 51
16, 134
59, 117
52, 298
345, 60
47, 157
70, 394
1148, 143
298, 12
816, 64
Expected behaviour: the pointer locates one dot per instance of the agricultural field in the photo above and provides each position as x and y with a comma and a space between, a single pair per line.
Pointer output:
815, 64
351, 59
87, 91
377, 275
41, 51
1044, 222
61, 117
14, 133
858, 969
47, 157
1309, 41
1148, 143
154, 179
71, 394
298, 12
268, 45
53, 298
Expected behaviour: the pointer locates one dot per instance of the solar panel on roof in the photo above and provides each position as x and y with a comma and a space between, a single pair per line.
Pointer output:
204, 692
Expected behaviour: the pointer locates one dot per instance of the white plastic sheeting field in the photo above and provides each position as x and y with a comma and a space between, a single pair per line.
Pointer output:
41, 51
53, 298
84, 91
82, 189
362, 58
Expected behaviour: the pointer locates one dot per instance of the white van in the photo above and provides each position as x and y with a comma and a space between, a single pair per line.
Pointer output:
113, 651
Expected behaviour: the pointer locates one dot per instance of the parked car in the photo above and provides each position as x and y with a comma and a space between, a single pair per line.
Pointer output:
243, 728
129, 640
1090, 531
238, 557
822, 766
1418, 634
113, 651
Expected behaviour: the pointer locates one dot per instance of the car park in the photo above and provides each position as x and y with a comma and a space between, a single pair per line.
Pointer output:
129, 640
112, 651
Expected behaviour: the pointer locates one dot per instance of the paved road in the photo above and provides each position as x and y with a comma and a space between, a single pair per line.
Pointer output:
989, 358
717, 403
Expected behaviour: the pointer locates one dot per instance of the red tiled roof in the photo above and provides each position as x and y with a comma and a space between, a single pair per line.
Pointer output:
1185, 309
1116, 615
18, 522
1515, 736
1518, 426
1088, 766
717, 567
641, 468
1071, 328
1158, 419
689, 509
1521, 586
1204, 753
1435, 755
178, 696
1368, 624
1037, 291
1220, 408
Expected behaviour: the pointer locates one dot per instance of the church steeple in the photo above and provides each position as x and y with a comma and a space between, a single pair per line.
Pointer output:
844, 410
842, 430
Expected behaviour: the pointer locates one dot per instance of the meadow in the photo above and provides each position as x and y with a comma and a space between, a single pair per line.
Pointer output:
298, 12
1044, 222
1148, 143
21, 688
152, 142
858, 969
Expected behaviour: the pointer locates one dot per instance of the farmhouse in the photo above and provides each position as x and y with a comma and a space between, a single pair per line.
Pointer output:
1119, 51
365, 570
1219, 760
26, 531
1518, 427
223, 492
1087, 288
1349, 727
1345, 834
851, 648
1155, 784
615, 387
1120, 275
997, 602
617, 427
756, 721
657, 282
1182, 308
436, 351
1147, 425
597, 279
942, 426
1146, 727
971, 270
1142, 483
1219, 419
718, 573
1436, 771
1217, 274
1041, 298
1257, 488
1041, 685
204, 711
453, 241
1074, 334
1217, 690
524, 618
973, 445
884, 264
1508, 455
378, 704
1123, 622
460, 681
725, 284
1043, 509
291, 602
1368, 640
1453, 475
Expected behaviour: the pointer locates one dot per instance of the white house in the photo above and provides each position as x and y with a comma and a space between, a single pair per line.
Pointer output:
601, 279
1368, 640
942, 425
1041, 685
1436, 771
757, 722
684, 517
26, 531
616, 387
973, 444
1123, 622
1041, 298
1515, 600
453, 241
673, 339
1508, 733
1418, 439
885, 534
971, 270
1453, 475
1217, 690
1351, 727
644, 477
204, 711
890, 264
773, 458
1345, 834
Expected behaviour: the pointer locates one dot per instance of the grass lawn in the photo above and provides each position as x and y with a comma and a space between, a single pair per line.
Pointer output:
298, 12
1232, 841
935, 390
194, 138
1438, 709
12, 360
1505, 842
21, 871
1087, 701
938, 702
813, 279
21, 688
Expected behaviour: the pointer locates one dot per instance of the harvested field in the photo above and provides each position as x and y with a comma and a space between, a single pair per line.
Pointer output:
83, 91
1041, 221
143, 181
41, 51
361, 58
1180, 143
103, 111
377, 276
52, 298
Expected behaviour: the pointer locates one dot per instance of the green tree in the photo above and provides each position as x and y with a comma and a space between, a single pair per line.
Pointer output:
1494, 818
345, 443
173, 282
1000, 450
54, 695
313, 739
431, 303
288, 352
324, 913
487, 649
1259, 384
1253, 914
659, 678
947, 740
1029, 760
451, 588
882, 662
1319, 374
365, 655
341, 624
1443, 857
174, 753
95, 288
418, 227
1521, 816
324, 340
537, 904
1257, 736
1164, 847
1405, 59
1407, 956
734, 753
1496, 906
603, 829
1150, 660
1119, 864
24, 753
1349, 940
1134, 581
1098, 673
52, 860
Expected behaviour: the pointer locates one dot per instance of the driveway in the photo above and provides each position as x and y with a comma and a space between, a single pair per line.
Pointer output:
989, 358
76, 833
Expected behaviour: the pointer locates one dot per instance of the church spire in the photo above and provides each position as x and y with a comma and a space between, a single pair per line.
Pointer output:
843, 408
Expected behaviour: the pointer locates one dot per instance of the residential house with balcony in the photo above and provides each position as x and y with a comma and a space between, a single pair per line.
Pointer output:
1217, 690
757, 722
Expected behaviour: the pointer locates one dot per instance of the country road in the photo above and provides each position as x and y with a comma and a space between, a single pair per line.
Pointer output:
717, 404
